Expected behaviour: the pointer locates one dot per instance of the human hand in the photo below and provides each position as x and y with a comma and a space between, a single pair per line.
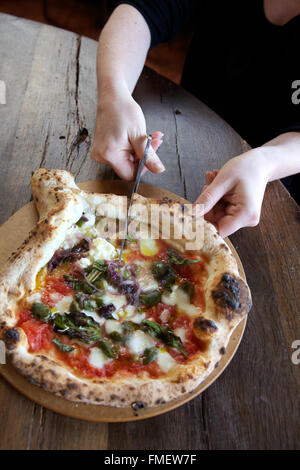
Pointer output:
120, 137
232, 197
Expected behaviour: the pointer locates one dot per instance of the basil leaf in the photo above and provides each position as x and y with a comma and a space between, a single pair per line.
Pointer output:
63, 347
187, 287
165, 334
150, 299
78, 325
164, 273
41, 312
81, 221
150, 355
109, 349
174, 257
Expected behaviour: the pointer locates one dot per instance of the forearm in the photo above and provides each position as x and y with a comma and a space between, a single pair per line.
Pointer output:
123, 46
281, 156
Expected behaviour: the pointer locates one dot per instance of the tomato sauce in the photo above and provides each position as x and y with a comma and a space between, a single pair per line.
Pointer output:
55, 285
40, 335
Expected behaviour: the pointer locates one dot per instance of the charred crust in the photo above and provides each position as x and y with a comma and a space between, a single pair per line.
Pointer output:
12, 337
231, 296
222, 351
160, 401
72, 386
114, 397
204, 324
137, 405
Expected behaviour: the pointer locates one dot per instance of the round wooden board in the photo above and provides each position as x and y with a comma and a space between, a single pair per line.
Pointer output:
12, 234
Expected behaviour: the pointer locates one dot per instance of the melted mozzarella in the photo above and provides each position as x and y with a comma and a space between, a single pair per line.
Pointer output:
138, 342
35, 297
138, 317
94, 315
63, 305
181, 299
97, 358
113, 325
72, 237
131, 314
165, 361
84, 262
181, 333
148, 247
145, 278
100, 249
117, 300
89, 223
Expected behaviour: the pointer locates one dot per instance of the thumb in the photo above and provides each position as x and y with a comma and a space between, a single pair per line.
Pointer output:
212, 193
230, 223
153, 162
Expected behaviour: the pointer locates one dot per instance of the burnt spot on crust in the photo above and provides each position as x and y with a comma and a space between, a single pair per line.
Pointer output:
160, 401
72, 386
224, 247
222, 351
204, 329
204, 324
12, 337
137, 405
231, 296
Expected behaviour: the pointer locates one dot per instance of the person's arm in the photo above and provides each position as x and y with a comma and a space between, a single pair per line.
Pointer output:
232, 197
120, 132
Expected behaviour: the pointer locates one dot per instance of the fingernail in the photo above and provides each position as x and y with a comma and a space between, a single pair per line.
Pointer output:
199, 210
159, 167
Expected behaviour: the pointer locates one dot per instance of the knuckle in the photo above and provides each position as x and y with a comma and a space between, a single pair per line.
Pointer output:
206, 197
253, 218
100, 154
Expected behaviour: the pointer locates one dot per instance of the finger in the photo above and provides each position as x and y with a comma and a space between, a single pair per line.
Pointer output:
123, 164
209, 177
153, 162
213, 193
229, 224
156, 143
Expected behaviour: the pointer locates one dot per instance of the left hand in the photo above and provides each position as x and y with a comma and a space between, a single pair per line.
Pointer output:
232, 197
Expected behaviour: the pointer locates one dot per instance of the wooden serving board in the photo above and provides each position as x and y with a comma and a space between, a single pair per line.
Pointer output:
12, 234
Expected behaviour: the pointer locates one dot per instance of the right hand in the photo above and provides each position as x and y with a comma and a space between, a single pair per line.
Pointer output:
120, 137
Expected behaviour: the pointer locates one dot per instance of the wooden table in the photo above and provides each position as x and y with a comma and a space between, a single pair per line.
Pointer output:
51, 99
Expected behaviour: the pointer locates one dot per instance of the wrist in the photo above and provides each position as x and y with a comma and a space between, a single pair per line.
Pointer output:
254, 162
112, 89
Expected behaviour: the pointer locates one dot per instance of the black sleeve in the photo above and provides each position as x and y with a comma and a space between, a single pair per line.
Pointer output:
165, 18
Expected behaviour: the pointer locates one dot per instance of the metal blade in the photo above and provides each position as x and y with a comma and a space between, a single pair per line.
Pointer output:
134, 190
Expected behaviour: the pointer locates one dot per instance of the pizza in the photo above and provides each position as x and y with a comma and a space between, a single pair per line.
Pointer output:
85, 326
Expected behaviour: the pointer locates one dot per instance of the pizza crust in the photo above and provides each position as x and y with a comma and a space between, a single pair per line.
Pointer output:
60, 204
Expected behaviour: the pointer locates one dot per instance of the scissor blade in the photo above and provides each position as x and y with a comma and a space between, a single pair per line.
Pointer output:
134, 190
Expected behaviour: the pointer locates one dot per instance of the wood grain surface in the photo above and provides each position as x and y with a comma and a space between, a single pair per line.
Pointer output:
48, 120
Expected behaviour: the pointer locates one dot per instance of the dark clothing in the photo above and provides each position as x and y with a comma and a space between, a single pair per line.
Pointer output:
239, 64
